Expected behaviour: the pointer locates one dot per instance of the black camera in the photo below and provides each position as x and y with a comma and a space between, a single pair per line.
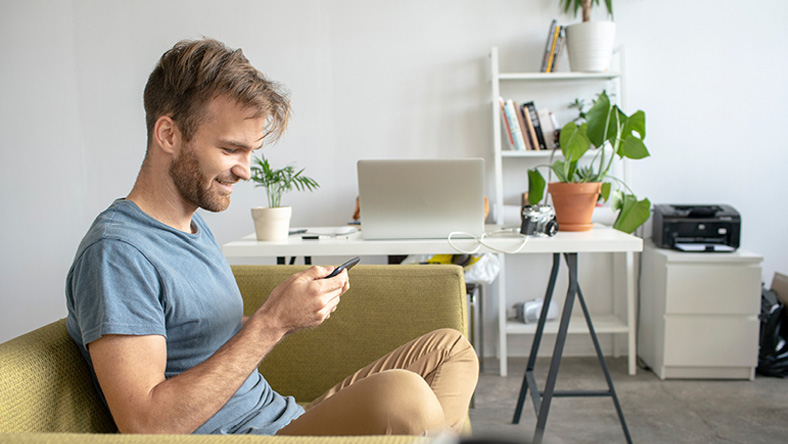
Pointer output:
538, 220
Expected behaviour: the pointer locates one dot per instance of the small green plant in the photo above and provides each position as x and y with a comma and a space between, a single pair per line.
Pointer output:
585, 5
602, 125
278, 182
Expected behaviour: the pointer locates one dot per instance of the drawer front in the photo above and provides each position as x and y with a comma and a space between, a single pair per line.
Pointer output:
711, 341
713, 289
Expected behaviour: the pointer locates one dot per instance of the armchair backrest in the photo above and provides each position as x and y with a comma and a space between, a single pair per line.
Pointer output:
386, 306
45, 385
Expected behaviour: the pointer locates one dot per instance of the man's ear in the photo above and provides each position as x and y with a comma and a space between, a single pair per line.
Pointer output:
167, 135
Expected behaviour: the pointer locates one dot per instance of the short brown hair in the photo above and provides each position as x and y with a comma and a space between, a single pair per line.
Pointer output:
194, 72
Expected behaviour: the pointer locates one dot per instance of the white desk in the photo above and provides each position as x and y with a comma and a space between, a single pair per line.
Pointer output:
599, 240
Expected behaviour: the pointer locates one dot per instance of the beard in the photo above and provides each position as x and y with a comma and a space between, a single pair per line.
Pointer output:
196, 187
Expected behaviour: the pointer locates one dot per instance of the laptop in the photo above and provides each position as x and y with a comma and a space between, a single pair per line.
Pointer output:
421, 199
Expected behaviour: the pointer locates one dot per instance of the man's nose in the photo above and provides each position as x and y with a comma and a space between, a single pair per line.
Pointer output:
242, 168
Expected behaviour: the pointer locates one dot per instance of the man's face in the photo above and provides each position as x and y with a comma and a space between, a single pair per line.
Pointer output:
218, 155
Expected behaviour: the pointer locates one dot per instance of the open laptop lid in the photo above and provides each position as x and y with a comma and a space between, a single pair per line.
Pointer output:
421, 199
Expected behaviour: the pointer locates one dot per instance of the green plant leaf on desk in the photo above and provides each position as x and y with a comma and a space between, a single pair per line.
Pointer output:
536, 187
633, 213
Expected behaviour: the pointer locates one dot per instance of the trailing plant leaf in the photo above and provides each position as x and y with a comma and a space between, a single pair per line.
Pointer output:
536, 186
604, 193
633, 213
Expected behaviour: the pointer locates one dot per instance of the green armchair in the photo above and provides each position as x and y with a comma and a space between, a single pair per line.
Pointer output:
46, 393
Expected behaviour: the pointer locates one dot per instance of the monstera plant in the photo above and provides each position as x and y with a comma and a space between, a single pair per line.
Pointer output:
589, 146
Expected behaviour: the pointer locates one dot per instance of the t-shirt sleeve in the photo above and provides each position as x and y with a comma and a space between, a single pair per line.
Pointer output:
116, 291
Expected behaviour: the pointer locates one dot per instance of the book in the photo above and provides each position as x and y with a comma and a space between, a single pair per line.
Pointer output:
553, 48
548, 45
556, 131
514, 125
531, 129
559, 48
535, 122
505, 123
547, 122
524, 127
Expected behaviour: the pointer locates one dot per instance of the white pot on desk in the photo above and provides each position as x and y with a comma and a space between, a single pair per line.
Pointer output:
272, 224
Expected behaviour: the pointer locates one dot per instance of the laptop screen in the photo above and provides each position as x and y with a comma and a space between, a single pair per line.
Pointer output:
421, 199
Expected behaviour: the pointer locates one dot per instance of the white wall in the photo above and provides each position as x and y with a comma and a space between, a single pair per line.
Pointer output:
368, 79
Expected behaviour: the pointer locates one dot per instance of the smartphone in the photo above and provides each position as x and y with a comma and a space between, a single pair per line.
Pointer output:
346, 266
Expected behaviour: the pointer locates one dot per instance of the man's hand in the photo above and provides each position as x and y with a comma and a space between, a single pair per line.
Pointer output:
130, 369
304, 300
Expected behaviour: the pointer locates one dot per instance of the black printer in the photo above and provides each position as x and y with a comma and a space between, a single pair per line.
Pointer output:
705, 228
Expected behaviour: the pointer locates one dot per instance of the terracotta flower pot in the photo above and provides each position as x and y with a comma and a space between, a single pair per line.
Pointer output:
574, 204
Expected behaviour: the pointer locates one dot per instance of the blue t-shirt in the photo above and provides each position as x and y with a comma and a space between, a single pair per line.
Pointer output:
133, 275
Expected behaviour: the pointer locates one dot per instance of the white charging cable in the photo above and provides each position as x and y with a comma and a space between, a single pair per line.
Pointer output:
480, 241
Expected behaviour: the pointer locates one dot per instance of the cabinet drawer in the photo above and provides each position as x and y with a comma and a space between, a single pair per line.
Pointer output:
711, 341
713, 289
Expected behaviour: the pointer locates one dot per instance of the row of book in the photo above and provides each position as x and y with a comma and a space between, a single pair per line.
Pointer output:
556, 40
527, 128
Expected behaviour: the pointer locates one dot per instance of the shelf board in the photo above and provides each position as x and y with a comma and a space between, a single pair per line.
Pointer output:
558, 76
577, 325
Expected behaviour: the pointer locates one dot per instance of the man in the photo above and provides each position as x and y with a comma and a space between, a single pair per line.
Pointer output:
155, 310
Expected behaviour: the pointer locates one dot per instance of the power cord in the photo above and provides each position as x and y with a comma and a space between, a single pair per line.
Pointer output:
481, 240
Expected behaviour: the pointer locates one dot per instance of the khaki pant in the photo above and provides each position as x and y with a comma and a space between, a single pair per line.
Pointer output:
422, 386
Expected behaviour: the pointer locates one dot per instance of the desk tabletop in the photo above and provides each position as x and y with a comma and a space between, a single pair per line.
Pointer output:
600, 239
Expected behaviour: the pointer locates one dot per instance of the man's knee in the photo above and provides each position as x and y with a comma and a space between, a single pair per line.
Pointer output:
406, 404
459, 346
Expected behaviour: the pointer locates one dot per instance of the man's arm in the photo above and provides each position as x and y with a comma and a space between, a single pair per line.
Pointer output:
130, 369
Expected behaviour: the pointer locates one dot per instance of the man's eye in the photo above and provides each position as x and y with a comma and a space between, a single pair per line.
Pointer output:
230, 150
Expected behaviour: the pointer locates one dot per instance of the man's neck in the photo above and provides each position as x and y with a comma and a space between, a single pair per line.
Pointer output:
163, 202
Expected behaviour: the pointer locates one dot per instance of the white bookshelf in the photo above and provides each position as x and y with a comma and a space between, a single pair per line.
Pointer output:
504, 84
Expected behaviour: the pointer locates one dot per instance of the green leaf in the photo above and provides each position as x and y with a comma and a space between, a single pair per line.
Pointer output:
598, 118
604, 193
633, 214
536, 186
618, 121
635, 123
633, 148
561, 170
577, 143
617, 200
278, 182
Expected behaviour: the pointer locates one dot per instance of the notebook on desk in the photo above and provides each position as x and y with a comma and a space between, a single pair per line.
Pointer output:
421, 199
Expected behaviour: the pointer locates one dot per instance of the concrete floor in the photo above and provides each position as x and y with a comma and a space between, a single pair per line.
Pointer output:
670, 411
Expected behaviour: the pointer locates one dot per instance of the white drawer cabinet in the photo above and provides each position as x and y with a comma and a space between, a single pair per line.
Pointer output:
699, 313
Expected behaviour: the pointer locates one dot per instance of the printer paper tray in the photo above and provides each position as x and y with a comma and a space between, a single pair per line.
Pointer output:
702, 248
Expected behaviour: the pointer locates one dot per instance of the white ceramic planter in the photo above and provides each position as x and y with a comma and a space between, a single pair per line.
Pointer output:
590, 46
272, 224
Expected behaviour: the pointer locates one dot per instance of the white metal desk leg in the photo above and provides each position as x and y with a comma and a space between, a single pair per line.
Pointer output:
500, 288
631, 310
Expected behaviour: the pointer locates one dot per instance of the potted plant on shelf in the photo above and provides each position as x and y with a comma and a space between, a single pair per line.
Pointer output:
589, 44
605, 133
273, 222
